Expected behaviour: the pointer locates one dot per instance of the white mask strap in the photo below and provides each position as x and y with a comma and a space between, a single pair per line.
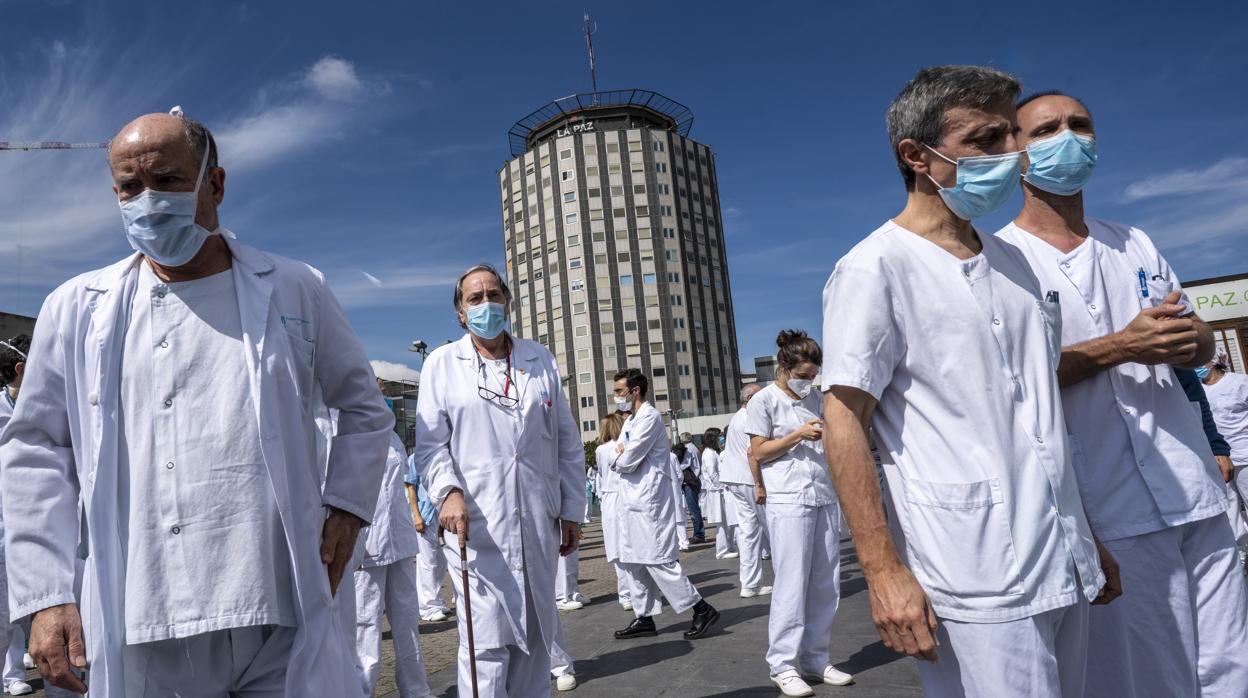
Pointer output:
10, 346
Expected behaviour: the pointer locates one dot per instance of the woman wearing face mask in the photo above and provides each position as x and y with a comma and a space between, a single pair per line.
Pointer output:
715, 509
1228, 401
785, 424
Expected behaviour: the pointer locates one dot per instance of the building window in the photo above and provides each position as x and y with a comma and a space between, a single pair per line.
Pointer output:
582, 330
665, 189
578, 307
686, 394
658, 146
626, 280
565, 154
659, 372
630, 325
677, 300
655, 324
582, 355
672, 277
669, 233
591, 171
569, 197
623, 256
656, 347
570, 218
647, 278
587, 401
613, 147
578, 284
586, 377
660, 167
575, 264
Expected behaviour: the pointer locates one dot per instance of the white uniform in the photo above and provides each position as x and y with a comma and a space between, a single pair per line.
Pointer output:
608, 493
716, 507
386, 583
1228, 401
804, 518
734, 472
12, 637
1149, 482
961, 356
647, 514
62, 447
431, 559
682, 508
521, 469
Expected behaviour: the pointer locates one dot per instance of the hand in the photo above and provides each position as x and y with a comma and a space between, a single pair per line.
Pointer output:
619, 448
903, 614
812, 430
1159, 336
454, 514
57, 646
760, 494
1226, 467
569, 537
1113, 580
338, 544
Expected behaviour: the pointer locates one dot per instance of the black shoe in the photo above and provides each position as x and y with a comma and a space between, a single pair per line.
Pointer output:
640, 627
704, 616
697, 540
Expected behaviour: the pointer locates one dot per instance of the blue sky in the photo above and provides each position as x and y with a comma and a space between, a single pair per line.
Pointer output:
364, 138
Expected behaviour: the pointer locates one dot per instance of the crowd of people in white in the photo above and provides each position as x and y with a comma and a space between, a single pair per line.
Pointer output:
1032, 437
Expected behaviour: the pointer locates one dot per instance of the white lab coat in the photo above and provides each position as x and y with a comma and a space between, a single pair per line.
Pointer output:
61, 448
393, 536
646, 506
521, 470
716, 507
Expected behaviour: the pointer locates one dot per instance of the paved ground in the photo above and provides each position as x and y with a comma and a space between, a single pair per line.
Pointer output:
728, 662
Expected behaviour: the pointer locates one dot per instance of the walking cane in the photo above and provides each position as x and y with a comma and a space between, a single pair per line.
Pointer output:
463, 569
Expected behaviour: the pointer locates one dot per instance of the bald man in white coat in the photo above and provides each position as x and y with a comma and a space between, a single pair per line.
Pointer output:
185, 379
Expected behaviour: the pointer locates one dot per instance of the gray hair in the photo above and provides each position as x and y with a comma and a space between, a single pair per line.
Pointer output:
198, 137
459, 285
748, 392
918, 111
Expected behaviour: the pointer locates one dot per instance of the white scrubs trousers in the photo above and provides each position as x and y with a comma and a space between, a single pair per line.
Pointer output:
725, 539
508, 672
12, 637
750, 534
567, 588
239, 663
1041, 656
430, 571
652, 583
560, 660
1181, 625
623, 587
806, 559
389, 589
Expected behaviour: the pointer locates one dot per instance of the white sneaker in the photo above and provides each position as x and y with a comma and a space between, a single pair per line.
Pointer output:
764, 591
580, 598
684, 548
436, 617
28, 661
628, 605
766, 556
751, 593
569, 605
831, 676
731, 556
791, 684
567, 682
19, 688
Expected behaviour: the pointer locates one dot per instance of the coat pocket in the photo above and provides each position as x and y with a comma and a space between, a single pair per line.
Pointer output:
959, 535
1052, 315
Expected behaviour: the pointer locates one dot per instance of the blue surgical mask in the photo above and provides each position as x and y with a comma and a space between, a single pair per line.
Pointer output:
985, 183
1202, 372
161, 224
1061, 164
486, 320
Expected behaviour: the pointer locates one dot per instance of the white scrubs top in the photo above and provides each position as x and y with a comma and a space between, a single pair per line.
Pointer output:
962, 357
734, 464
801, 475
1228, 400
1141, 455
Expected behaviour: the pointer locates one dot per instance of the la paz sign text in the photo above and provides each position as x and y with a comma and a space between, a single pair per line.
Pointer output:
581, 127
1220, 301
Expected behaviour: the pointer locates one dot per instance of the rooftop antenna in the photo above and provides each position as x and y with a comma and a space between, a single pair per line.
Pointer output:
589, 45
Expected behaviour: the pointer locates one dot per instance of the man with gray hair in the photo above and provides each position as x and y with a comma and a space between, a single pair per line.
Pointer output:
174, 396
936, 336
748, 496
502, 458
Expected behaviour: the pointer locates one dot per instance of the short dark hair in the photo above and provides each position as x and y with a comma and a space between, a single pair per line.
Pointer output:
1050, 93
918, 111
633, 378
11, 356
797, 347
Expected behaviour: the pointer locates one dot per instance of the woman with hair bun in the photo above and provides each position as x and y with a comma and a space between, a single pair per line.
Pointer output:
785, 424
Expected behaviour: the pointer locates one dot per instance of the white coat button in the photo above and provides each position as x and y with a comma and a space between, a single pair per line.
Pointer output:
164, 344
169, 465
1039, 439
175, 530
168, 402
160, 294
1092, 306
93, 398
516, 511
996, 321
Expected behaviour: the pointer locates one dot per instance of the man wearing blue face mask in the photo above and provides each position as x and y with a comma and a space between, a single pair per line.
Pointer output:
502, 459
1151, 486
174, 396
936, 338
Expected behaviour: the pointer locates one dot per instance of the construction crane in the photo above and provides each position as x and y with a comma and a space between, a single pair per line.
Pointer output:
51, 145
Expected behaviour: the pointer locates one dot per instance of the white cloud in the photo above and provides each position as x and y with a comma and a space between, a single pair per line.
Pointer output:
403, 285
1228, 173
387, 370
335, 78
